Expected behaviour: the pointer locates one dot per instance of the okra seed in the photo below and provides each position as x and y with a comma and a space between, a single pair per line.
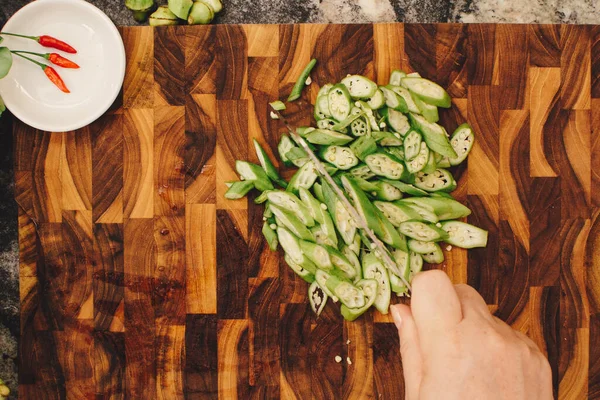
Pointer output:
348, 361
273, 226
449, 248
323, 206
338, 359
373, 246
308, 81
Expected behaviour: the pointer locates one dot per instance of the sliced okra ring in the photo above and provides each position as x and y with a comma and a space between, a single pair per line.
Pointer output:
464, 235
423, 231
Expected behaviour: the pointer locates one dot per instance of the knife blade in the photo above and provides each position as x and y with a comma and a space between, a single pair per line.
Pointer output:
375, 243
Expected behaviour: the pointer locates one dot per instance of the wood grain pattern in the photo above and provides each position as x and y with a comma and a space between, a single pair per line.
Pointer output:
139, 280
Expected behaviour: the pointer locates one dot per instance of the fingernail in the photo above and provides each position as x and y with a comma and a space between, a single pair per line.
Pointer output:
396, 317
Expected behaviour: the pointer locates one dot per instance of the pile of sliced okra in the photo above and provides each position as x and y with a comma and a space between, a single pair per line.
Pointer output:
382, 145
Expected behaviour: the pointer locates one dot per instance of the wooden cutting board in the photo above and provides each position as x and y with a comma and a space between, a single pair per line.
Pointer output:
145, 283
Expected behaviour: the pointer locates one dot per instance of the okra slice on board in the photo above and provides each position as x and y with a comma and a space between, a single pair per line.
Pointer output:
397, 285
353, 259
425, 213
360, 127
445, 208
237, 190
359, 86
317, 298
393, 100
431, 165
428, 91
363, 146
439, 180
340, 102
423, 231
386, 165
299, 270
429, 111
289, 202
301, 82
396, 77
396, 120
374, 269
388, 139
404, 93
362, 171
348, 294
421, 247
285, 145
396, 212
386, 192
304, 177
436, 256
341, 157
462, 142
416, 264
464, 235
341, 262
377, 100
255, 174
292, 223
434, 135
402, 259
328, 137
313, 205
317, 254
297, 156
412, 145
267, 165
341, 218
369, 289
321, 237
270, 235
362, 204
321, 278
420, 161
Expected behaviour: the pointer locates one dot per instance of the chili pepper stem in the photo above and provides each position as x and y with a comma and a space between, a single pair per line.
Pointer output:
43, 66
30, 52
21, 36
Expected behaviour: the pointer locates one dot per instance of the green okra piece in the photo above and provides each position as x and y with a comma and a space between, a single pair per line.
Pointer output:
402, 259
262, 197
363, 171
270, 235
277, 105
396, 212
428, 111
396, 77
302, 272
352, 257
362, 204
349, 295
318, 191
363, 146
285, 145
421, 160
291, 245
435, 256
292, 223
388, 139
267, 165
421, 247
431, 165
341, 157
292, 204
445, 208
430, 92
387, 166
385, 191
313, 205
369, 289
434, 135
237, 190
317, 298
406, 187
326, 137
464, 235
347, 122
304, 177
373, 268
342, 220
462, 142
297, 156
318, 254
301, 82
339, 101
321, 278
425, 213
255, 174
439, 180
423, 231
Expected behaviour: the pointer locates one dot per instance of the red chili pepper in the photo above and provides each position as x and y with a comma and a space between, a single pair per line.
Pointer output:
46, 41
61, 61
55, 78
49, 41
54, 58
50, 73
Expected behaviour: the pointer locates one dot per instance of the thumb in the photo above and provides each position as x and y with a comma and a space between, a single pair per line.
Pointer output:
410, 350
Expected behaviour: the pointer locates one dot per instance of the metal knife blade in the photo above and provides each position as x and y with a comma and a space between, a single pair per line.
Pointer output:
375, 243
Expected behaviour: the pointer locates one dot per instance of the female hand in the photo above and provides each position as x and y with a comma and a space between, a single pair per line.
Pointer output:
453, 348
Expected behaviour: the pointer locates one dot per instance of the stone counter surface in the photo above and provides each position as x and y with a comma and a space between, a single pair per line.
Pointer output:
263, 11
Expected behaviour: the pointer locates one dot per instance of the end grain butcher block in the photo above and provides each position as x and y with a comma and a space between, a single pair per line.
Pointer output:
139, 280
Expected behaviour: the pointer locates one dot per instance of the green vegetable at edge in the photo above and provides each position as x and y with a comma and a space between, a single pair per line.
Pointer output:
301, 82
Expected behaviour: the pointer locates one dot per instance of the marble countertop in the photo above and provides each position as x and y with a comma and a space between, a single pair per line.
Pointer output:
263, 11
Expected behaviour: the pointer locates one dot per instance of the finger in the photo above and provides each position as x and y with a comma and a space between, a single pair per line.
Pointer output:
528, 341
410, 349
471, 303
435, 305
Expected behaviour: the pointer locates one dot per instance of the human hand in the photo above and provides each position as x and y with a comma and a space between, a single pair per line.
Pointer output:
452, 347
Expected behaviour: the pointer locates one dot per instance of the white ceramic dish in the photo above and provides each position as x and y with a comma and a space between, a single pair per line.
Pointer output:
26, 90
